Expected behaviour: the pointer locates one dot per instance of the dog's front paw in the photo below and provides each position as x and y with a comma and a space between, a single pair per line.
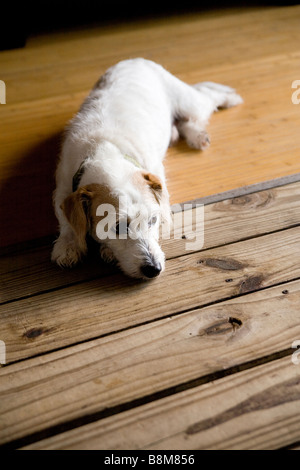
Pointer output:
65, 252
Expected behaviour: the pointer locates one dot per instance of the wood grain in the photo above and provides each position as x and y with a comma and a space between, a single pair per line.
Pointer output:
47, 81
132, 364
91, 309
200, 358
255, 409
30, 272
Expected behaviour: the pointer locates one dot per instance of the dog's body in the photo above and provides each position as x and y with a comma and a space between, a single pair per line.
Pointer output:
115, 148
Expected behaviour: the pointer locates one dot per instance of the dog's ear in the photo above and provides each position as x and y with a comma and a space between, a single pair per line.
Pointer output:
161, 195
154, 184
75, 208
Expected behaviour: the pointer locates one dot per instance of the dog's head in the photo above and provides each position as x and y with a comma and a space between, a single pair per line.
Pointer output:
126, 223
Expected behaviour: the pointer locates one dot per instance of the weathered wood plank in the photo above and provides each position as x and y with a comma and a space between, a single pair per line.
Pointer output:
92, 309
31, 272
90, 377
242, 217
254, 409
294, 447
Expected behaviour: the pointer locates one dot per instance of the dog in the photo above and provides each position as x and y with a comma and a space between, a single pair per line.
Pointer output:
110, 179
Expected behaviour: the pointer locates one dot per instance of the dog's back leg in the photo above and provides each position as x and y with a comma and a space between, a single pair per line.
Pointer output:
222, 95
194, 104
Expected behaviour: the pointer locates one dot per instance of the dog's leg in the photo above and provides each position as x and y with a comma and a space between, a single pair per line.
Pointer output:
193, 132
66, 252
193, 106
222, 95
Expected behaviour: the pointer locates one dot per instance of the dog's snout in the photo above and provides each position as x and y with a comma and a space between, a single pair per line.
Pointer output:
151, 270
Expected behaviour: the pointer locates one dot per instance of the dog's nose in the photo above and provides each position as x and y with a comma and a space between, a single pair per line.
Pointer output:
151, 270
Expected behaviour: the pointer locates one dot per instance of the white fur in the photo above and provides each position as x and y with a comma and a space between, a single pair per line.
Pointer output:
137, 108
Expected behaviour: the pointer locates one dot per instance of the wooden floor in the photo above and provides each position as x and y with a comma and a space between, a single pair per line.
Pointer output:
254, 50
204, 356
200, 358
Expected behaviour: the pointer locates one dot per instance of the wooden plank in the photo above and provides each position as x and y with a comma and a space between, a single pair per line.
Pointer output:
245, 190
255, 142
241, 151
246, 216
92, 309
32, 272
142, 361
48, 56
224, 222
254, 409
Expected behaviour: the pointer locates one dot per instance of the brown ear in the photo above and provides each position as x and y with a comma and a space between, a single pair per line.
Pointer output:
154, 184
74, 208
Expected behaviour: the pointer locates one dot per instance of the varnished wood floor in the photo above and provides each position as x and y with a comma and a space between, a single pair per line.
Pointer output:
204, 356
254, 50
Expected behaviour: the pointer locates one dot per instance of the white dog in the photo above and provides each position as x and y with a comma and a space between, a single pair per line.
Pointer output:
110, 178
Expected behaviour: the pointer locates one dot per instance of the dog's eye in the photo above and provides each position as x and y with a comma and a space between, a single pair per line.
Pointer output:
152, 221
121, 227
116, 227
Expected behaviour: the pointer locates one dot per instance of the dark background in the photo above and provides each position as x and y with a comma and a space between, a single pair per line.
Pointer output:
18, 20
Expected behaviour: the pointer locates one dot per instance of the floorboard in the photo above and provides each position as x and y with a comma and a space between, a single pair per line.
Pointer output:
48, 79
91, 309
205, 356
162, 356
256, 409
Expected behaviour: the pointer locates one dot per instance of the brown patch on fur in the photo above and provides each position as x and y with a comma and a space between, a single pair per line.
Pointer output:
145, 181
74, 209
81, 206
153, 181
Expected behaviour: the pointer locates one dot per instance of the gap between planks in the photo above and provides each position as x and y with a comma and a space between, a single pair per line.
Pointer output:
98, 375
32, 325
8, 369
255, 409
225, 222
